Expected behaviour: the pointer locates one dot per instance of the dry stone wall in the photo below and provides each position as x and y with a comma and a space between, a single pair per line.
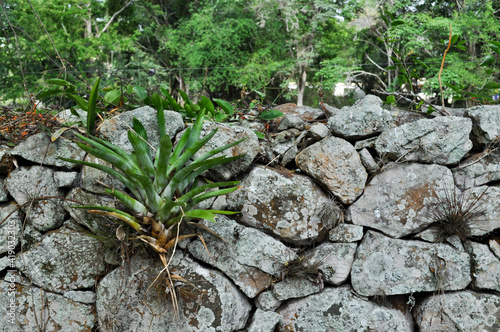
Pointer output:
356, 219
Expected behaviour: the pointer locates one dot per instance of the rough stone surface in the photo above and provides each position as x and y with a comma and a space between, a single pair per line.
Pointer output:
39, 149
293, 287
363, 119
35, 308
69, 118
267, 301
486, 119
65, 179
337, 309
10, 229
306, 113
365, 144
495, 248
368, 161
346, 233
335, 163
251, 267
397, 200
286, 204
63, 260
115, 129
386, 266
211, 303
26, 184
291, 121
96, 223
227, 134
318, 131
264, 321
485, 266
93, 179
490, 204
459, 311
334, 260
3, 192
442, 140
477, 170
80, 296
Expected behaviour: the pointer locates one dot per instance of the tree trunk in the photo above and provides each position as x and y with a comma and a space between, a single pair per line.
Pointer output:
301, 86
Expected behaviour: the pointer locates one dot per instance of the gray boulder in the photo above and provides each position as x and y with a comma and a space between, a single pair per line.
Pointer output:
226, 134
267, 301
495, 248
485, 265
363, 119
334, 163
295, 287
63, 260
252, 268
28, 185
306, 113
291, 121
442, 140
338, 309
489, 204
477, 170
115, 129
386, 266
39, 149
397, 201
65, 179
141, 300
35, 308
346, 233
288, 205
334, 260
3, 192
10, 228
459, 311
486, 119
264, 321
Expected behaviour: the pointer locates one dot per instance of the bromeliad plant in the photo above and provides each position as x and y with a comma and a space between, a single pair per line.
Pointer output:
163, 190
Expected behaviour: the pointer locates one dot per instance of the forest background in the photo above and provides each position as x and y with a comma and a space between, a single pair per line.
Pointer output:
232, 48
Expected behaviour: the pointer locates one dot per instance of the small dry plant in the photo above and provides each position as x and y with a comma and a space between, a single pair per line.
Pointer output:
453, 213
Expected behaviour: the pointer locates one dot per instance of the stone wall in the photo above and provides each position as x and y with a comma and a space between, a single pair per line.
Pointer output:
369, 219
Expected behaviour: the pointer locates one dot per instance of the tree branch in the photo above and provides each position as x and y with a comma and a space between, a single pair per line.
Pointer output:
113, 17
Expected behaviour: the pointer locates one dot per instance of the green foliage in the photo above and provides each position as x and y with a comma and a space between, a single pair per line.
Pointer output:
164, 190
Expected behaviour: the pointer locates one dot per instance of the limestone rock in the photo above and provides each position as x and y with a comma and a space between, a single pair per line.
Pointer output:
368, 161
65, 179
3, 192
267, 301
294, 287
96, 223
264, 321
346, 233
115, 129
291, 121
397, 201
489, 203
365, 118
288, 205
211, 301
226, 134
334, 260
63, 260
486, 119
485, 265
495, 248
34, 307
477, 170
10, 229
87, 297
93, 179
459, 311
306, 113
386, 266
251, 267
442, 140
318, 131
27, 184
39, 149
337, 309
335, 163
